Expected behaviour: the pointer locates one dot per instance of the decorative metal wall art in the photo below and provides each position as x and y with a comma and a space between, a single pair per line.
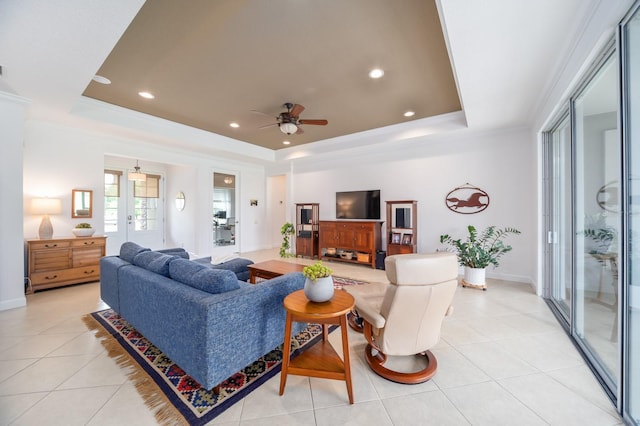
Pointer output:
467, 199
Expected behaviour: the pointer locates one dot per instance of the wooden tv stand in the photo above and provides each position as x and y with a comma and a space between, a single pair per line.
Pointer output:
362, 237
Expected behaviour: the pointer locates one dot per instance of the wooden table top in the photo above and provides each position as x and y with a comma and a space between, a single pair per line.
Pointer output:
298, 304
277, 266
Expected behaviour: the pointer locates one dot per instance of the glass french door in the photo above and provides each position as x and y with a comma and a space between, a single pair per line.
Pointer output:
145, 211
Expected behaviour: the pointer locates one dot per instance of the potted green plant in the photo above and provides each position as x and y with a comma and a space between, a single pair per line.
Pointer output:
83, 229
318, 286
479, 250
287, 231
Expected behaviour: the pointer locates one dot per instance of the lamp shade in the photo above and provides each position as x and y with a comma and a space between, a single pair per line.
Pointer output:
137, 176
46, 206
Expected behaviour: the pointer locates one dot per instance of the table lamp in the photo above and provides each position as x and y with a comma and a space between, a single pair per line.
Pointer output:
45, 206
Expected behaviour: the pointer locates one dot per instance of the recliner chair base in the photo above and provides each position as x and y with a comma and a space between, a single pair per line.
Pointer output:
376, 363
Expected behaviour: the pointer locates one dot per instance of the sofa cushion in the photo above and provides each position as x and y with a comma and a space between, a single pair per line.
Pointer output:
177, 251
203, 278
154, 261
129, 250
237, 265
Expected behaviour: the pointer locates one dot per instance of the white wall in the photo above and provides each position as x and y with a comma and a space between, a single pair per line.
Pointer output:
277, 211
58, 158
12, 112
426, 169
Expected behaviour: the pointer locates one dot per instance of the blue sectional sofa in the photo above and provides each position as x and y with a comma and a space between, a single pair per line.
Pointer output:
202, 316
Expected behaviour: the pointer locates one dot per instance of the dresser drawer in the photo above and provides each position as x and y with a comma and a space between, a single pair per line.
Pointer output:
68, 276
88, 242
50, 259
87, 256
48, 245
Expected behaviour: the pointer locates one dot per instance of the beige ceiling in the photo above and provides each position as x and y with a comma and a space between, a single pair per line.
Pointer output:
210, 63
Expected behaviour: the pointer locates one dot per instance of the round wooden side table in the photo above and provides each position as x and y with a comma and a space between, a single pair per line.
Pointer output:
320, 360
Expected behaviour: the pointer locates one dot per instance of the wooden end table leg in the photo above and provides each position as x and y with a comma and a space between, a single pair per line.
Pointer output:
286, 352
345, 356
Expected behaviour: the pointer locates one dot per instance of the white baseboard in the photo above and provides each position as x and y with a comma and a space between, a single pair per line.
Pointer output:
13, 303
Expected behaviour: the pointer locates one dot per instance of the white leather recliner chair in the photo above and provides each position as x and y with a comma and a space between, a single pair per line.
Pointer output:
404, 318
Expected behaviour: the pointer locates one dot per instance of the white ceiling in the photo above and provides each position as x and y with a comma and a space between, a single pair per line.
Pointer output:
503, 52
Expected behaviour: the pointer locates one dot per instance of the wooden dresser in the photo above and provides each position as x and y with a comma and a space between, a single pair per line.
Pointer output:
62, 261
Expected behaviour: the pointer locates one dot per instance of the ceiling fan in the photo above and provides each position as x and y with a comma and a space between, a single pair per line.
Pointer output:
289, 121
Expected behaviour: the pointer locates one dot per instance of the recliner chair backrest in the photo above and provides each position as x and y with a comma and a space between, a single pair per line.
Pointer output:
421, 291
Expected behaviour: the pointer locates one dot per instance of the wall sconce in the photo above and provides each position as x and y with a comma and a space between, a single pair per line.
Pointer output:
45, 206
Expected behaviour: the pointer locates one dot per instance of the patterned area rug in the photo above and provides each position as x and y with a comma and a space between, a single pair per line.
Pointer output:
339, 282
174, 396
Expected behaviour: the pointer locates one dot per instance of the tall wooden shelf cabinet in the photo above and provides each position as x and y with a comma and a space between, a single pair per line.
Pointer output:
307, 222
402, 227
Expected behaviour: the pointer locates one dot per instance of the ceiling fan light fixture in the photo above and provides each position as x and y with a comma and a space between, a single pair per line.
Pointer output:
288, 128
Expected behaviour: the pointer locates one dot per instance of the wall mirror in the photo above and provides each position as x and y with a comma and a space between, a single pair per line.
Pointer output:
180, 201
81, 203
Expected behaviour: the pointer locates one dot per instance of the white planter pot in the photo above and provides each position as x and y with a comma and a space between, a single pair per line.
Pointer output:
474, 276
320, 290
83, 232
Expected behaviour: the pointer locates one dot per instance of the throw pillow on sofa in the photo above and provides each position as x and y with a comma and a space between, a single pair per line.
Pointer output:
198, 276
154, 262
129, 250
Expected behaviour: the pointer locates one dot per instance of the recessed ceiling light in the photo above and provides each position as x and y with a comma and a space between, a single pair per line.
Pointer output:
286, 143
234, 125
100, 79
146, 95
409, 114
376, 73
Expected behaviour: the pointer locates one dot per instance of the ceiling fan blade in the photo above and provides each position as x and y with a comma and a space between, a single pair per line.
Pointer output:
296, 110
299, 131
268, 125
315, 122
260, 112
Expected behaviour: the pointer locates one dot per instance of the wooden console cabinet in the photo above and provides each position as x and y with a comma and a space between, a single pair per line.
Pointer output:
63, 261
362, 239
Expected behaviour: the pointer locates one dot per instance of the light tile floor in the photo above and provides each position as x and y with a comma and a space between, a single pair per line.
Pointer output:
503, 359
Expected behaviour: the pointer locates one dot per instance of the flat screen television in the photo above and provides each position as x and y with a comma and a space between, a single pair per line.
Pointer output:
358, 205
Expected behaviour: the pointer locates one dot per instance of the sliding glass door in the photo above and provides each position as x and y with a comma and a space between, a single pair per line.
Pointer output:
559, 233
597, 218
631, 118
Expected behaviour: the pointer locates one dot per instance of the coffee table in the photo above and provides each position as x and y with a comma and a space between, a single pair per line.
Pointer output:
320, 360
271, 269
